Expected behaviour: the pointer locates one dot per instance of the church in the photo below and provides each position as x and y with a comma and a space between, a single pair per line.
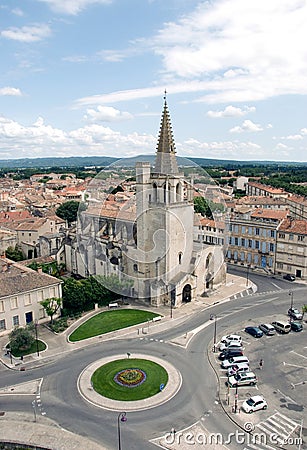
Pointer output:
146, 245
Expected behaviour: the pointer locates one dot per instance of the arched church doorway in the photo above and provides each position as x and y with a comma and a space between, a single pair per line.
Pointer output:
187, 293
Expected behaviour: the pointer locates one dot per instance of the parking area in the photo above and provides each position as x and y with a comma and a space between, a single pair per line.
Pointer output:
281, 380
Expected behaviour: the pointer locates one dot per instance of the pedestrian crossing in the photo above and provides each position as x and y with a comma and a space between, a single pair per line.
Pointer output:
272, 433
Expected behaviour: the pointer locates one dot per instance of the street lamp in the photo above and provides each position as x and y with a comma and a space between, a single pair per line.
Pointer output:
236, 398
36, 337
9, 350
291, 299
247, 274
121, 418
214, 317
34, 409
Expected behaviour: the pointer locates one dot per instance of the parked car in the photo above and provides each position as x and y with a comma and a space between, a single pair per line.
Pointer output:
226, 354
238, 368
289, 277
229, 345
254, 404
231, 338
267, 328
294, 313
254, 331
242, 379
296, 326
233, 361
281, 326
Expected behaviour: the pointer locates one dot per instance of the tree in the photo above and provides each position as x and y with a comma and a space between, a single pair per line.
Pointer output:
51, 306
21, 339
14, 253
69, 210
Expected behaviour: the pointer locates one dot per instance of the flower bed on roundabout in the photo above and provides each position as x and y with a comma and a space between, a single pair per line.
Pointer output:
129, 379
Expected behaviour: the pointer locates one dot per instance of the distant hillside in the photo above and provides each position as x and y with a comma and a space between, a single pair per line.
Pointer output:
103, 161
73, 161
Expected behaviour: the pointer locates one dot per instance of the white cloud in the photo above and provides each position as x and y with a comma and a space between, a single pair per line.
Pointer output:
17, 12
72, 6
107, 114
32, 33
27, 141
231, 111
10, 91
234, 50
294, 137
304, 131
248, 126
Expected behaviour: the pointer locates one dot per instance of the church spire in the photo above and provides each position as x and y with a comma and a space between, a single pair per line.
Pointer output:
166, 162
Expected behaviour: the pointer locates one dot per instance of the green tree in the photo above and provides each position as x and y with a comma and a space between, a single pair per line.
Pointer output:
14, 253
69, 210
201, 207
21, 339
51, 306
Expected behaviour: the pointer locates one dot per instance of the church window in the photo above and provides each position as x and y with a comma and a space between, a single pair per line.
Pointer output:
180, 258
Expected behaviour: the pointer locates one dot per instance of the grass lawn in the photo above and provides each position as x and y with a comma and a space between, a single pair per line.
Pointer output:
103, 379
107, 321
32, 349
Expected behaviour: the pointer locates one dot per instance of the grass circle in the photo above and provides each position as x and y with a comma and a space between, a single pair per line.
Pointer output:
103, 379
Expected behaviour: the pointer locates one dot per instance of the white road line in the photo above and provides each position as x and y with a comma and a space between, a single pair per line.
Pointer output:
263, 426
278, 287
287, 396
294, 365
298, 354
285, 418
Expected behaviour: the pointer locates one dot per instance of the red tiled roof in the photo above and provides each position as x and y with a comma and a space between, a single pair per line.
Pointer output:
293, 226
270, 214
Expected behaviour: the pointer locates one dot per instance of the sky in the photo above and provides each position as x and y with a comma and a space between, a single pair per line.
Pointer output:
87, 78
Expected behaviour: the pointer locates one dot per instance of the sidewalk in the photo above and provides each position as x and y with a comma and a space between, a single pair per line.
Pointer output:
58, 345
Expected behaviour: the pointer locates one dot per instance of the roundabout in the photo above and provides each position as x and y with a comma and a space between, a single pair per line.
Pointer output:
96, 380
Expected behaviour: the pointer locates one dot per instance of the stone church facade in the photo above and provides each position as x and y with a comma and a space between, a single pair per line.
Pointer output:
148, 242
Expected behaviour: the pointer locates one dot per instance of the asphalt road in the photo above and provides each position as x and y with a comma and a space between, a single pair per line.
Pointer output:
198, 396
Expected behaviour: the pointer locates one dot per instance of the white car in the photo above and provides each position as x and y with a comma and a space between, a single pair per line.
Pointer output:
233, 361
242, 379
231, 344
231, 338
254, 404
237, 368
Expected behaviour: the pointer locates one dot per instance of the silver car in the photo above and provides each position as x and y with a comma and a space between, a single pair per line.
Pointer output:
267, 328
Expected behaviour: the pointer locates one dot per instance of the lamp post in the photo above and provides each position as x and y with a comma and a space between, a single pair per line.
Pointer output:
236, 398
214, 317
291, 299
34, 409
36, 337
120, 418
247, 274
9, 350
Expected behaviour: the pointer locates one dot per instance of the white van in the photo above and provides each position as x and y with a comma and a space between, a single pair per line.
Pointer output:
233, 361
281, 327
242, 379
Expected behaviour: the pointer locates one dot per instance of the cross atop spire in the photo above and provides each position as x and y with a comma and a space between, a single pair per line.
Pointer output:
166, 155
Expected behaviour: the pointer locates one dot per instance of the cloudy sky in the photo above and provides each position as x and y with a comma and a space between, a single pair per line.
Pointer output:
87, 77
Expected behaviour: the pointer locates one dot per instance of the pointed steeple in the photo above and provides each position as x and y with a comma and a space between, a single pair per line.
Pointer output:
166, 163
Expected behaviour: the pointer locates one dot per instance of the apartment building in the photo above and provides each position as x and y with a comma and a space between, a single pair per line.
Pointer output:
22, 290
253, 188
252, 237
291, 248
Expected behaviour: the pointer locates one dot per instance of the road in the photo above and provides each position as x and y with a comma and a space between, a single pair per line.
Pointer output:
198, 397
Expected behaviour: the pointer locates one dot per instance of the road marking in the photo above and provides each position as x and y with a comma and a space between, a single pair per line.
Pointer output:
287, 396
278, 287
294, 365
298, 354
